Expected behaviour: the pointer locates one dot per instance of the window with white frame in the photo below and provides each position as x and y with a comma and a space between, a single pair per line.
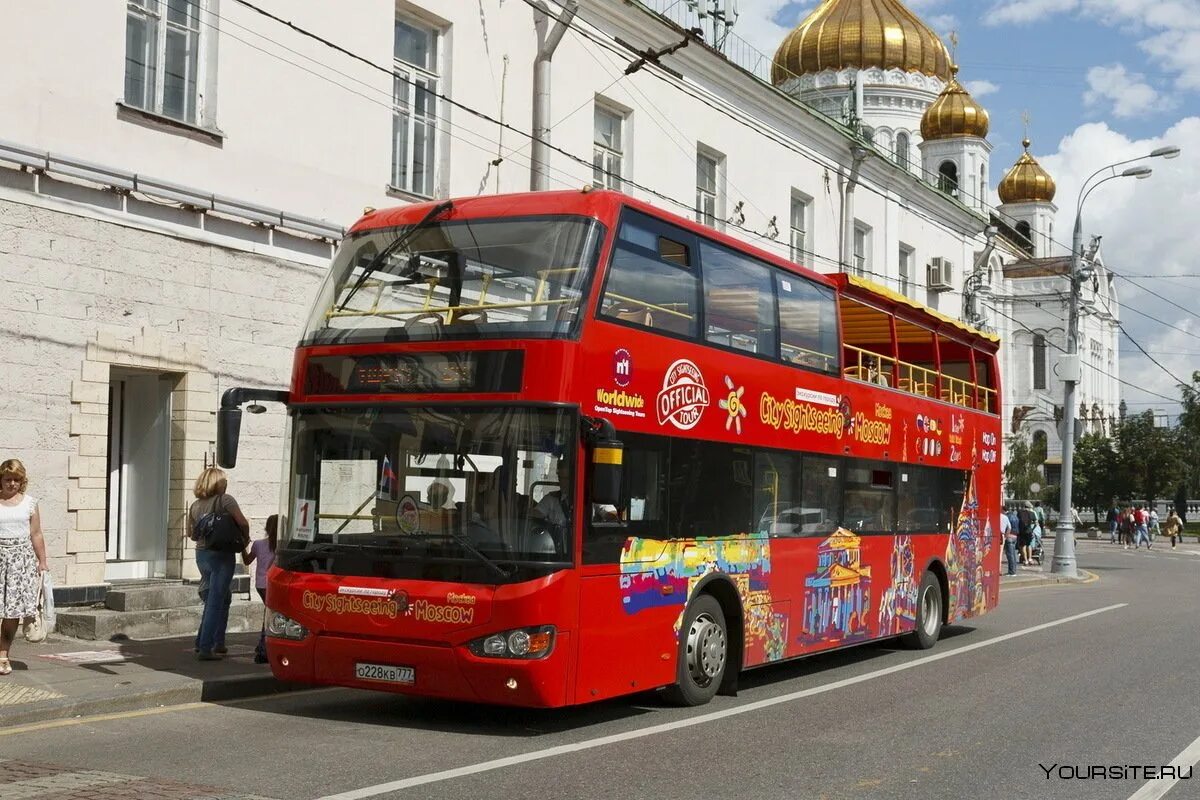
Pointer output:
608, 148
163, 57
862, 248
708, 188
1039, 361
907, 261
415, 107
801, 206
902, 149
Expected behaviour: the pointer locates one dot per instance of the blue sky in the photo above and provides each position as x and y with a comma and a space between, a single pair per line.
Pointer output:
1102, 80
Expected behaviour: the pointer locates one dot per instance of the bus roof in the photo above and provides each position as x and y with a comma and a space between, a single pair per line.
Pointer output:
602, 204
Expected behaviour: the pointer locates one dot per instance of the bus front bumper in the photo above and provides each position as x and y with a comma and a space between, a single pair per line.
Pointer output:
445, 671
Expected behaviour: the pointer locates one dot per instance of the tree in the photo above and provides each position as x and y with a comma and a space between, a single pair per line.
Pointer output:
1149, 457
1097, 482
1024, 466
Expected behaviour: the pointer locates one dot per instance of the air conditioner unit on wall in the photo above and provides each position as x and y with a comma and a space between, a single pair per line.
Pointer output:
939, 274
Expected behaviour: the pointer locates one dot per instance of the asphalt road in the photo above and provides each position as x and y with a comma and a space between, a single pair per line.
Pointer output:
1106, 673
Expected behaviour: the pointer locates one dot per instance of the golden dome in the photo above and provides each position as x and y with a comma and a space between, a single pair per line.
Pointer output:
1027, 182
863, 34
954, 113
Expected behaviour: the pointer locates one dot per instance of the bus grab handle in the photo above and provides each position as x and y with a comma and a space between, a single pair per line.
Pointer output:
229, 418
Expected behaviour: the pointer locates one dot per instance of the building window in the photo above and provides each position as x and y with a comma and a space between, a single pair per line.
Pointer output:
1039, 361
908, 259
415, 107
608, 149
948, 178
708, 188
799, 233
162, 57
862, 249
902, 150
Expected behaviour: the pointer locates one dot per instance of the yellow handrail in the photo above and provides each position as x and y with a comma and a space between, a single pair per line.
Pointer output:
876, 368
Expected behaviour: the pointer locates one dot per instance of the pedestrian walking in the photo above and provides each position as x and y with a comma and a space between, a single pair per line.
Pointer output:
1174, 527
1025, 523
1010, 542
1113, 519
1140, 523
261, 553
220, 530
22, 555
1127, 527
1154, 530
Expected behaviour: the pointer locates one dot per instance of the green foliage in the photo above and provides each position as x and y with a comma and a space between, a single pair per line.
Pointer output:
1023, 467
1096, 479
1149, 458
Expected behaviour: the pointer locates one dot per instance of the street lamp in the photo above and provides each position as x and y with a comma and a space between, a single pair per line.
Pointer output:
975, 286
1064, 537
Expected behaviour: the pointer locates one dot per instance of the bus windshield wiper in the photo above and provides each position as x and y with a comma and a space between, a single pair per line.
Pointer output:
296, 557
393, 246
465, 543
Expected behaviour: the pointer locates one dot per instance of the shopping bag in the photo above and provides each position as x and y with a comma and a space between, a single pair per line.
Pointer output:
39, 625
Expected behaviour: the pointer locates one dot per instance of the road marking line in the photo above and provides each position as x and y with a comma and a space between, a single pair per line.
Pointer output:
1155, 789
564, 749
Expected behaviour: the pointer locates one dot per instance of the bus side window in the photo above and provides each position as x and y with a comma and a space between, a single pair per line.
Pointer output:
642, 511
820, 495
652, 281
739, 301
711, 489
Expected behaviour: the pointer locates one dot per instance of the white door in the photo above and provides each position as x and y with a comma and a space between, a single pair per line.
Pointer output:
139, 473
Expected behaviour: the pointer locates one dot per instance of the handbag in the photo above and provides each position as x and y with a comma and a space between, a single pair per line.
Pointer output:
219, 532
38, 626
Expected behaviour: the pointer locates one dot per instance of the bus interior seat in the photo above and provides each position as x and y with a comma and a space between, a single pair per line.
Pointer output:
424, 325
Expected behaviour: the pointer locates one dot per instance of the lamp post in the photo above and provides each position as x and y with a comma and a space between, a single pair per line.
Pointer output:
1064, 539
976, 287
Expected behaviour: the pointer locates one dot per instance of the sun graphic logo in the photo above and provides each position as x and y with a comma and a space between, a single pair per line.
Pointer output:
733, 404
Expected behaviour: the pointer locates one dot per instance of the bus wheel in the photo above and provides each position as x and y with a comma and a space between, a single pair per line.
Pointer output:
929, 615
703, 653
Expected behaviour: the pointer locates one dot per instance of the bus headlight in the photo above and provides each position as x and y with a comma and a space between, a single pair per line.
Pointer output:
523, 643
284, 627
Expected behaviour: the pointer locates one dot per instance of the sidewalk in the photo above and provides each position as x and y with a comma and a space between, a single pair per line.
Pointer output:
63, 677
1039, 575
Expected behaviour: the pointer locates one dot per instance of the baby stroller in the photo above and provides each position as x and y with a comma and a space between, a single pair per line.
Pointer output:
1035, 547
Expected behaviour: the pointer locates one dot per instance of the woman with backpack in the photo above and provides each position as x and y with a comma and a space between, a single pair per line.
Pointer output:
220, 530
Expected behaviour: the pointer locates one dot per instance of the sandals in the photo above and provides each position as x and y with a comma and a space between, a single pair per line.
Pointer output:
5, 666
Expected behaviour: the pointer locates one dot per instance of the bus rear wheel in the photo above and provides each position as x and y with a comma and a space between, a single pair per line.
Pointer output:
703, 653
929, 615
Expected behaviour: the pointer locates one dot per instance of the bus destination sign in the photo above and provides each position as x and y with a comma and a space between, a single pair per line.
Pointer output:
416, 373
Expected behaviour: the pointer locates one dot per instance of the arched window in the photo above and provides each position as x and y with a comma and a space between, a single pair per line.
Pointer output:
1023, 229
1039, 361
902, 149
948, 178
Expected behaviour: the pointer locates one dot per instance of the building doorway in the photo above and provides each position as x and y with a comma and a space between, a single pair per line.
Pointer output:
139, 467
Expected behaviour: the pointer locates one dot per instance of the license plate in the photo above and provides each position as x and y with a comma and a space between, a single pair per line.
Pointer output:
385, 673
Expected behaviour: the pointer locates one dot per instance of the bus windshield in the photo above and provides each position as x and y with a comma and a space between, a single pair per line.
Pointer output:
490, 487
458, 279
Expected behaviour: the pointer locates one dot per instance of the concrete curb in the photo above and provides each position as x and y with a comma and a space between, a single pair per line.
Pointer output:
215, 691
1085, 577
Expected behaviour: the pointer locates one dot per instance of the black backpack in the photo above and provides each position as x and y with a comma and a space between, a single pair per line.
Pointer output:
219, 531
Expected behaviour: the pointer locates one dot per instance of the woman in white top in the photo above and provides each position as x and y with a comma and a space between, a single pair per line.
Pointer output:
22, 555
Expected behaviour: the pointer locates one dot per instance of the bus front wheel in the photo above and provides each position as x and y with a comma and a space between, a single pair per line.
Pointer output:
703, 653
929, 615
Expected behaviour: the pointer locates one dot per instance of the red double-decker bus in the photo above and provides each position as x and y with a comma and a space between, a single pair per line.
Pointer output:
552, 448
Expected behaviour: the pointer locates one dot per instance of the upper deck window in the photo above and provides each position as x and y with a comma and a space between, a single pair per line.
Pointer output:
461, 279
653, 280
739, 301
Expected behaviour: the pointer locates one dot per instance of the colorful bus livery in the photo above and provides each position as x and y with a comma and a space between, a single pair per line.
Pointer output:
552, 448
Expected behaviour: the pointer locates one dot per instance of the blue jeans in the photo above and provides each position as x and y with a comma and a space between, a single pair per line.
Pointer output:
1010, 554
1142, 533
217, 570
1112, 532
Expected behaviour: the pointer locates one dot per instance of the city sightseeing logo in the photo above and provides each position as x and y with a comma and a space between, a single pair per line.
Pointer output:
683, 397
733, 405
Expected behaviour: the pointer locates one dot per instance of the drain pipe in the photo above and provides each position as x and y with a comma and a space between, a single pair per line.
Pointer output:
539, 164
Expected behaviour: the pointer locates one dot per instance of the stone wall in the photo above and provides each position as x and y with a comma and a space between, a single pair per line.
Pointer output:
82, 295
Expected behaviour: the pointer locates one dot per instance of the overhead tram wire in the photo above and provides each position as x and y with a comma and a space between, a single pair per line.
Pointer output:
1153, 360
587, 164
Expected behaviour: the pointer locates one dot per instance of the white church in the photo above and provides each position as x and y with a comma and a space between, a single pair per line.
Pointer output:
164, 220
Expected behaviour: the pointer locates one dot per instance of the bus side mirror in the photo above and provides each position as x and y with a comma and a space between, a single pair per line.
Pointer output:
229, 428
606, 472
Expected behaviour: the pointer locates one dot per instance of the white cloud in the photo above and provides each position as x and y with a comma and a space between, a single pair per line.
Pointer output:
1169, 30
1127, 92
980, 89
1148, 228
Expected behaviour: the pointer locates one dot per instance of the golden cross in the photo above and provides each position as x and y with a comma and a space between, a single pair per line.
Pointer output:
1025, 118
954, 46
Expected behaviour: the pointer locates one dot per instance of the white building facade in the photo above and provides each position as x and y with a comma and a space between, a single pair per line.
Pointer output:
171, 192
